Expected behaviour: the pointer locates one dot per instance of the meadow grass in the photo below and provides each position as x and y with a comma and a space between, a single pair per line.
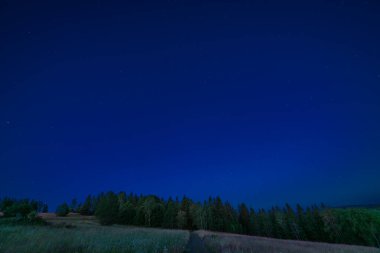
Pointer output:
94, 239
228, 243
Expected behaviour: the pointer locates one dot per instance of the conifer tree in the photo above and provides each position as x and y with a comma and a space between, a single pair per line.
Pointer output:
244, 218
276, 223
198, 216
181, 219
231, 219
185, 207
87, 207
73, 205
292, 230
253, 222
301, 223
127, 213
169, 220
107, 209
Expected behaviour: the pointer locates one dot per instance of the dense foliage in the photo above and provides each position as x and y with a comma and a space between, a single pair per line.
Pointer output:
62, 210
314, 223
22, 210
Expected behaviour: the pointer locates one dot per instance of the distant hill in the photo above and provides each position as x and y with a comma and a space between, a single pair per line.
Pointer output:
372, 206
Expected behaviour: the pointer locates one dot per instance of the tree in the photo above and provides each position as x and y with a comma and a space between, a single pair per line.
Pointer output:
264, 228
244, 218
45, 208
277, 223
374, 234
5, 203
140, 215
73, 205
350, 226
148, 206
21, 208
62, 210
217, 213
87, 208
181, 219
18, 209
311, 227
253, 222
300, 218
198, 216
292, 230
108, 209
231, 221
127, 213
157, 214
169, 220
185, 207
318, 225
122, 196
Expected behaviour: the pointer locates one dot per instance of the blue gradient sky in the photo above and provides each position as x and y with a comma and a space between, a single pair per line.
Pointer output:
265, 102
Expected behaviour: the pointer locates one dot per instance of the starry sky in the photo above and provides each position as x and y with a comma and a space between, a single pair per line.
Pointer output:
264, 102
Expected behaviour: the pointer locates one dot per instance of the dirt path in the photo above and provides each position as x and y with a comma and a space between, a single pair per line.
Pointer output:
195, 245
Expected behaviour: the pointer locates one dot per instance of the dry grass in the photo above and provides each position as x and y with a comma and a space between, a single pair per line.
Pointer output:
77, 233
226, 243
72, 219
84, 235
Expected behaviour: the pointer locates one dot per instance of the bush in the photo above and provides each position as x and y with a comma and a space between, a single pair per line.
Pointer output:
108, 209
62, 210
31, 219
20, 208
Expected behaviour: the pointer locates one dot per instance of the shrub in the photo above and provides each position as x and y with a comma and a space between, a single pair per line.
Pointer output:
18, 209
62, 210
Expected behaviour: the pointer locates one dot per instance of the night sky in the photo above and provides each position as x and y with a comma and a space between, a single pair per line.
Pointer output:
265, 102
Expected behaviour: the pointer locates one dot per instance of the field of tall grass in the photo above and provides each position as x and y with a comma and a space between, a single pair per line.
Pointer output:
228, 243
83, 234
88, 238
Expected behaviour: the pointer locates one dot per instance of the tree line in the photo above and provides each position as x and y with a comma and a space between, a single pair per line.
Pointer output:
23, 210
312, 223
21, 207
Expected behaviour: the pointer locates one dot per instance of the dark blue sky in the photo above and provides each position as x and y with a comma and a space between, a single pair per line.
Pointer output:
265, 102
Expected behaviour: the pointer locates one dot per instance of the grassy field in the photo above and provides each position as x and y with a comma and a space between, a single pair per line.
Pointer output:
82, 235
226, 243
